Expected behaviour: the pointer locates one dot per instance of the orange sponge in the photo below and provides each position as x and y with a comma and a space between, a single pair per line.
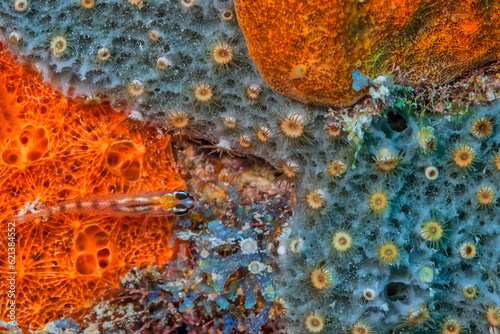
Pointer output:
308, 49
56, 149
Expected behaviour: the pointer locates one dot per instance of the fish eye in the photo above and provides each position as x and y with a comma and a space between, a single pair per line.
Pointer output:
181, 195
181, 209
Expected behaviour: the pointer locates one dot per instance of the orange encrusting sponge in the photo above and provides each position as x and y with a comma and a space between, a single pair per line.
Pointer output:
56, 149
308, 49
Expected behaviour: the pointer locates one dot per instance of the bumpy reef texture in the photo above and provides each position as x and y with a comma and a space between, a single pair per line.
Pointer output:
58, 149
305, 240
307, 50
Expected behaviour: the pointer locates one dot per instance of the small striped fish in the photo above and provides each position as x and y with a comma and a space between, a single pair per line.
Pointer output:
156, 203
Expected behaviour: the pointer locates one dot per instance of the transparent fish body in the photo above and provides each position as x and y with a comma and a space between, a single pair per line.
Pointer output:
156, 203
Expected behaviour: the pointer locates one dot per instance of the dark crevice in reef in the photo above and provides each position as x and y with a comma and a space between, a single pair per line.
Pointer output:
396, 121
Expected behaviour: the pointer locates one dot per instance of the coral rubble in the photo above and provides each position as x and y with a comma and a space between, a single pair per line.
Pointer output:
225, 281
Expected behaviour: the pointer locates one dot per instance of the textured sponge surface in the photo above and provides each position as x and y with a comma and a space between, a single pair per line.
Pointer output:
55, 149
307, 50
427, 271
